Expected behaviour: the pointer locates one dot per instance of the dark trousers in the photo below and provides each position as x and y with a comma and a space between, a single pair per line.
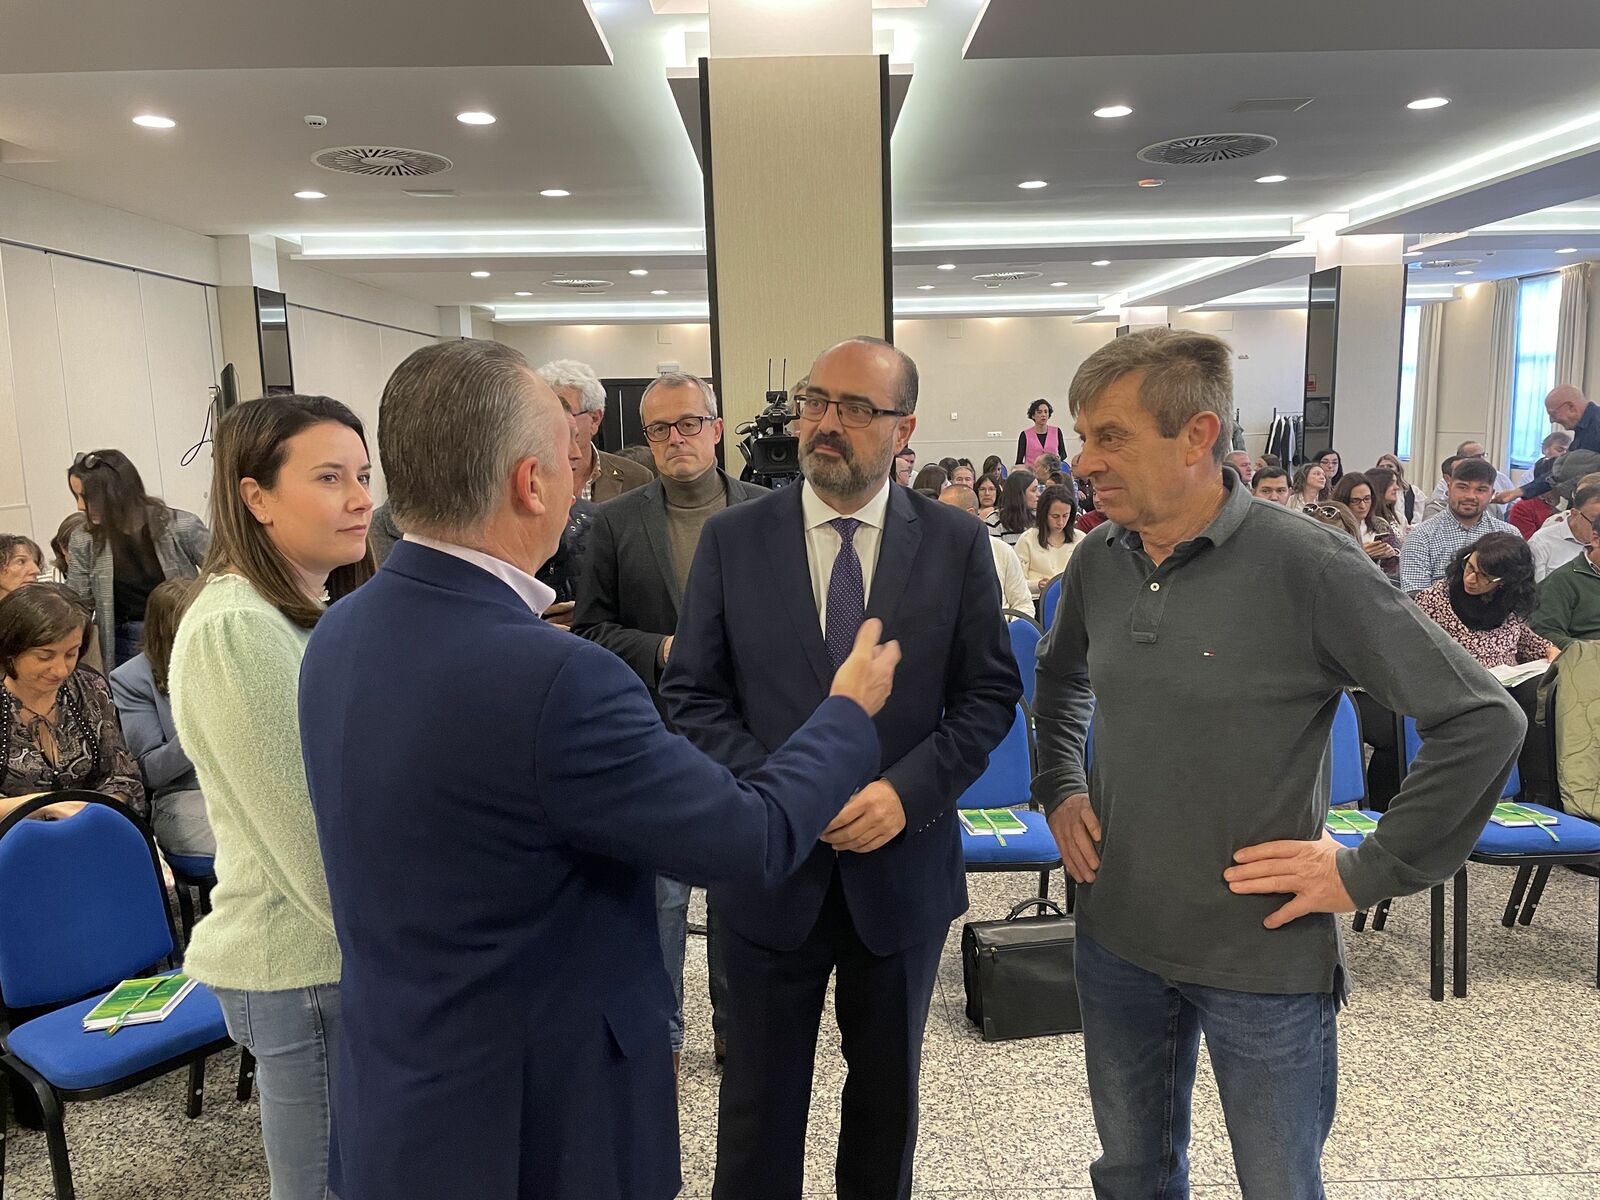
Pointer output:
774, 1007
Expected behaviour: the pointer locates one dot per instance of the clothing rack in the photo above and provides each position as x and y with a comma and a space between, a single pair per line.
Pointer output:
1286, 437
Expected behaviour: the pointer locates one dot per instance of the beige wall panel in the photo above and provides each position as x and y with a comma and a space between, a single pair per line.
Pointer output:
241, 338
798, 203
13, 487
177, 330
41, 400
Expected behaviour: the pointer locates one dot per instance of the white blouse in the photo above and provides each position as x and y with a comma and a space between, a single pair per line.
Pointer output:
1042, 563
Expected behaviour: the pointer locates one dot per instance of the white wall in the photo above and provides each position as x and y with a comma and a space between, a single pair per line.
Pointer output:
616, 351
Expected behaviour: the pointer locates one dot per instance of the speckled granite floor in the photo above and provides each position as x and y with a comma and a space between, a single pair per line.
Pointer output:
1494, 1097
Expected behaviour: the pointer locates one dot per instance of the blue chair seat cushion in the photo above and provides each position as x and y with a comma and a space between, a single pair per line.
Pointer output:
1034, 846
1577, 837
1353, 840
193, 866
56, 1045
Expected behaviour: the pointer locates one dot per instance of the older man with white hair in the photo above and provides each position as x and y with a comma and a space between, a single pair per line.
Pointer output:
600, 476
1566, 407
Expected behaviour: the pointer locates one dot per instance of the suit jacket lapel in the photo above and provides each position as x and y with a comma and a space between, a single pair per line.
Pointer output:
897, 549
655, 531
791, 576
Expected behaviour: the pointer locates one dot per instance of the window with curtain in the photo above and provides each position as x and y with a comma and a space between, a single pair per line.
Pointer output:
1534, 373
1412, 328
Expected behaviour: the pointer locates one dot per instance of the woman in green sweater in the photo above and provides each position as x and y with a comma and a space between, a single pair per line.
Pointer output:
290, 514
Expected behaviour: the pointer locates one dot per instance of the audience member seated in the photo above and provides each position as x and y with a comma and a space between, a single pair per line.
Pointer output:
1429, 547
1377, 537
1269, 483
904, 464
1310, 486
1569, 598
58, 725
1335, 516
994, 465
131, 542
1484, 600
1410, 503
965, 473
932, 477
601, 475
59, 548
1241, 464
1045, 548
139, 687
1563, 538
1014, 591
988, 492
1268, 460
382, 534
1042, 437
1387, 494
1048, 471
1095, 516
1332, 467
21, 560
1502, 482
1018, 500
1437, 499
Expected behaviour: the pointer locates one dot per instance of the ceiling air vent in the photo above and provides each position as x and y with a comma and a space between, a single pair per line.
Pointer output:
999, 277
1206, 148
579, 285
1272, 104
381, 160
1446, 264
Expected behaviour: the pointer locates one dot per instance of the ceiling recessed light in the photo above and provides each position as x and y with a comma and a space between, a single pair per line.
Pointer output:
1114, 110
475, 118
522, 293
1148, 183
1271, 178
1030, 185
1429, 102
1463, 272
1567, 250
309, 195
150, 121
638, 272
924, 287
947, 266
480, 274
658, 291
1101, 262
555, 193
1059, 283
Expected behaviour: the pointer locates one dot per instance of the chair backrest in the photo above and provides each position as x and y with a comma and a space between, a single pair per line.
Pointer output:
1008, 779
1413, 741
1049, 601
1025, 637
81, 903
1349, 761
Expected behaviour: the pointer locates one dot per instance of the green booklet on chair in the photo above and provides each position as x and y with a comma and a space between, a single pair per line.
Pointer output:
139, 1002
991, 822
1349, 820
1519, 816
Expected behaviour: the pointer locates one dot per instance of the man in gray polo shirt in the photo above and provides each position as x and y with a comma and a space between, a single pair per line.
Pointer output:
1211, 636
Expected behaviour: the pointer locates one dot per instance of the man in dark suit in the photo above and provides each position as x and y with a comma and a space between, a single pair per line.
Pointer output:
640, 548
778, 589
491, 860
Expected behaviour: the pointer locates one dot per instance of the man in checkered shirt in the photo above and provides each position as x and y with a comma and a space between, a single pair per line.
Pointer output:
1430, 546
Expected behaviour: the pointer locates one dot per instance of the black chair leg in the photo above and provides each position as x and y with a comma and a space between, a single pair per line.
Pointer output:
1072, 894
1535, 894
1459, 935
247, 1074
55, 1133
185, 909
1360, 922
1044, 885
1518, 889
5, 1125
205, 896
197, 1088
1381, 917
1436, 944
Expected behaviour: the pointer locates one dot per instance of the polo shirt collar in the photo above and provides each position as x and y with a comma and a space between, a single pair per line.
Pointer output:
1223, 526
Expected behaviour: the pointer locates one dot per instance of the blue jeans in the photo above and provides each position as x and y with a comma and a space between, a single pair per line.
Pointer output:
1275, 1058
672, 924
294, 1036
127, 641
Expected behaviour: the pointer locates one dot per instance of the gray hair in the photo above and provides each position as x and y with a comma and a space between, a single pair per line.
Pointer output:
454, 420
569, 373
1588, 490
674, 379
1186, 373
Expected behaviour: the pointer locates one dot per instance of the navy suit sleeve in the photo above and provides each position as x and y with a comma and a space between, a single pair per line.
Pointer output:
981, 690
618, 783
698, 684
597, 615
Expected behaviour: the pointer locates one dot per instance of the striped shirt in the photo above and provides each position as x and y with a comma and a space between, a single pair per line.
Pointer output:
1429, 547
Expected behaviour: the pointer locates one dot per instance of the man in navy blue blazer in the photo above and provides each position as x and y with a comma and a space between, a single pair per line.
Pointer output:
494, 798
779, 587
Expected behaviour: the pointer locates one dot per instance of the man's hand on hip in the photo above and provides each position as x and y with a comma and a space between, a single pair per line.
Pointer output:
871, 818
1306, 871
1077, 833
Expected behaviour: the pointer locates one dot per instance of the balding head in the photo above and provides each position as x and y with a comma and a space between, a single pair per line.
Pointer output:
960, 496
1565, 405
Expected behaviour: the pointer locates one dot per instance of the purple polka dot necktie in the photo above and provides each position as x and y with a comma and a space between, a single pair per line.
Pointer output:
847, 595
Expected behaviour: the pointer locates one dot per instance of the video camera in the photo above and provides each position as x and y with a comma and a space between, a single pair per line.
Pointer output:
772, 455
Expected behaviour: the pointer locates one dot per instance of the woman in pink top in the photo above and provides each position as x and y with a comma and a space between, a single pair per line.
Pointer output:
1043, 437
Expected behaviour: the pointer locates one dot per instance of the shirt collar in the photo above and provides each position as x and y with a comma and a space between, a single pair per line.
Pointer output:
537, 596
817, 511
1590, 418
1223, 526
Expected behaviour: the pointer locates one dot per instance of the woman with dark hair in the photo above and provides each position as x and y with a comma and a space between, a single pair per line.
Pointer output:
1377, 537
993, 466
988, 489
140, 688
1019, 498
1484, 600
131, 542
290, 509
1043, 437
1045, 548
1410, 501
949, 465
21, 560
932, 477
1332, 466
58, 726
1310, 486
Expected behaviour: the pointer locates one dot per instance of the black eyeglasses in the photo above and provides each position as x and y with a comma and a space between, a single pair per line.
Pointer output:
87, 462
660, 431
855, 414
1478, 571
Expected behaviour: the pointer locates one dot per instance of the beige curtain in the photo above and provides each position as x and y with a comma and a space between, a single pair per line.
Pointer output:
1572, 333
1502, 364
1425, 404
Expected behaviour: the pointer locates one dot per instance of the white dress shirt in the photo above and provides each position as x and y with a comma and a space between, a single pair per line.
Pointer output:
1014, 590
535, 595
1553, 546
823, 541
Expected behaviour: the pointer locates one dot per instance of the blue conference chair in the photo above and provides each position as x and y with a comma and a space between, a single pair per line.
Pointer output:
1528, 849
1049, 601
197, 874
1007, 782
82, 908
1025, 635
